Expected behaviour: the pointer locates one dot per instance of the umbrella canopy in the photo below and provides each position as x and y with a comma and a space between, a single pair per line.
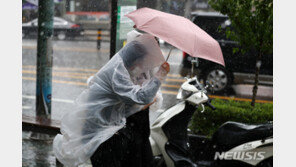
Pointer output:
179, 32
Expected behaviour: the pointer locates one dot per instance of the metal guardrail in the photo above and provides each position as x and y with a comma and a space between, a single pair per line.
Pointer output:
99, 35
92, 34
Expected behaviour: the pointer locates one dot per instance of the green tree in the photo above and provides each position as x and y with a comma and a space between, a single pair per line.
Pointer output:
252, 22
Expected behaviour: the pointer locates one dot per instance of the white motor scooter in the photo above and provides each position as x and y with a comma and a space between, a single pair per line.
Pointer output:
233, 144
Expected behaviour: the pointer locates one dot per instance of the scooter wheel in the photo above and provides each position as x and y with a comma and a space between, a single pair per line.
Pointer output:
266, 163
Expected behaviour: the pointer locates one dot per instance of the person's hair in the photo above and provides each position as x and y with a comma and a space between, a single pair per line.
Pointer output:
132, 52
157, 40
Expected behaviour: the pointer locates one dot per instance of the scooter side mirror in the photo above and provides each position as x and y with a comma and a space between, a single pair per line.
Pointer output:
209, 86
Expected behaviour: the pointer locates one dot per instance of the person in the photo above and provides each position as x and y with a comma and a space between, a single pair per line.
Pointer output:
134, 137
96, 127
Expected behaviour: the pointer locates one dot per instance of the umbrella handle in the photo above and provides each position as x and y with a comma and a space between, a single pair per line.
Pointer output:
193, 62
169, 54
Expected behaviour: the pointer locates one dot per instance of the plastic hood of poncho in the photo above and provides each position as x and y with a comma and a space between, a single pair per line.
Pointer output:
155, 108
132, 35
111, 96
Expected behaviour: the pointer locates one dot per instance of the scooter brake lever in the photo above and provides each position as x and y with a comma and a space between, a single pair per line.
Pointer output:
203, 108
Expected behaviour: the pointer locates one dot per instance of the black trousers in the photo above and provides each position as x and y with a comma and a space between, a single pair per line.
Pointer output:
129, 147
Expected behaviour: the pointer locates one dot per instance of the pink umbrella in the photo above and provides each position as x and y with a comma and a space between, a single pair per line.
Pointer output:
179, 32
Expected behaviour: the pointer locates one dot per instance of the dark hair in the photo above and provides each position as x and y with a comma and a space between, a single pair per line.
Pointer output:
132, 52
157, 40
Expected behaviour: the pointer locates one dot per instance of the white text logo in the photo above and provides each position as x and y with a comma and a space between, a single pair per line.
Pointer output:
239, 156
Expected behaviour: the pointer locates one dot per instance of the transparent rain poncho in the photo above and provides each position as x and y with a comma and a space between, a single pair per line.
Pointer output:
117, 91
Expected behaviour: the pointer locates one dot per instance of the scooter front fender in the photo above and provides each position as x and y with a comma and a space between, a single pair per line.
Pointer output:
158, 137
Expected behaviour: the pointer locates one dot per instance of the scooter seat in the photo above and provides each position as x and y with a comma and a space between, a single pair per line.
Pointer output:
232, 134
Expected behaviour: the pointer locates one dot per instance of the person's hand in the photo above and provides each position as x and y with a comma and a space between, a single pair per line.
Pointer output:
166, 66
163, 71
147, 105
158, 102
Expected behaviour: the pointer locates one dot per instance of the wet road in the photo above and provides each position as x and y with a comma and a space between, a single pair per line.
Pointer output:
73, 63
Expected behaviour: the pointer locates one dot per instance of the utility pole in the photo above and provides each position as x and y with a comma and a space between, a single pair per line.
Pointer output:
113, 27
120, 25
44, 59
187, 7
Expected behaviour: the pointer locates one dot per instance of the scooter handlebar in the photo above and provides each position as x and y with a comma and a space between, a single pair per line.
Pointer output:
208, 103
